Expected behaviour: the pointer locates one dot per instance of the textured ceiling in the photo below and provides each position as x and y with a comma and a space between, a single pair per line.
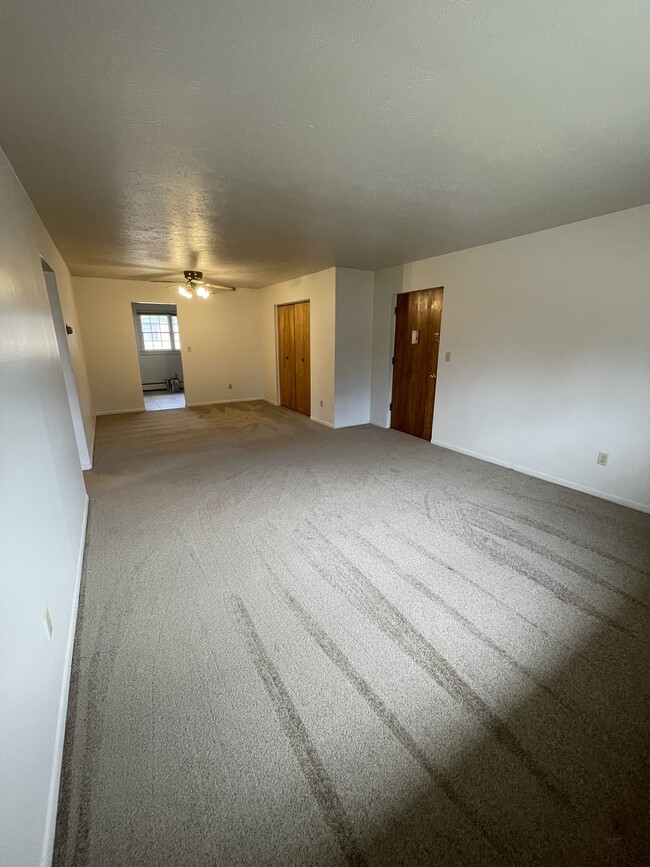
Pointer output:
260, 141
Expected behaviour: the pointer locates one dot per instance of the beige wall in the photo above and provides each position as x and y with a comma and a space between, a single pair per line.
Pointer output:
220, 340
320, 290
42, 516
550, 352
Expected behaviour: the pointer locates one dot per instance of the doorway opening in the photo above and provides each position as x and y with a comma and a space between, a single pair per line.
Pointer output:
415, 361
159, 354
294, 356
63, 333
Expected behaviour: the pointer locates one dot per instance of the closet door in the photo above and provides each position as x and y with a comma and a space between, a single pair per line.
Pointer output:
286, 353
303, 376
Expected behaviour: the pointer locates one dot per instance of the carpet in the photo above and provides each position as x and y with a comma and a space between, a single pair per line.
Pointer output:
300, 646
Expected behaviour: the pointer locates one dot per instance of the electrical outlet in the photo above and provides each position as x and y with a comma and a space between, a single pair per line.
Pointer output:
447, 356
189, 348
230, 385
602, 459
47, 620
321, 403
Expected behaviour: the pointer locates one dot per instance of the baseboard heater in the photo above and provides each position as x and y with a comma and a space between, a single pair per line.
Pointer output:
157, 386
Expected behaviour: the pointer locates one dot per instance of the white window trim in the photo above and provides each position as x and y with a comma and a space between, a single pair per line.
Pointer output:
141, 345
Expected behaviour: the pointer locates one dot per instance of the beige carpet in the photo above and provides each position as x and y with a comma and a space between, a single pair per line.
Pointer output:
299, 646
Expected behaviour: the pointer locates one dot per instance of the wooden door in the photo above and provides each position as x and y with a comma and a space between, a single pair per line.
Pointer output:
303, 375
294, 357
415, 362
286, 353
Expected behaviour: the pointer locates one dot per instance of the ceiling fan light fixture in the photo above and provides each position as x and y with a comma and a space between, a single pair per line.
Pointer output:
196, 287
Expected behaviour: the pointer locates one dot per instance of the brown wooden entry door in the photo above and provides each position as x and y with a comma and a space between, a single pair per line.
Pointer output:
293, 352
415, 363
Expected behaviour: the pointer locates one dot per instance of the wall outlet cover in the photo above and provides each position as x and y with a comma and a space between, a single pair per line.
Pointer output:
602, 459
447, 356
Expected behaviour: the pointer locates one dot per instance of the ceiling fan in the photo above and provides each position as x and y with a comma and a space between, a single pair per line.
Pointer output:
196, 286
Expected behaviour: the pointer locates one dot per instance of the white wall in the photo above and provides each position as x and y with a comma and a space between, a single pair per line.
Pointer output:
156, 367
549, 336
42, 515
353, 367
222, 331
320, 290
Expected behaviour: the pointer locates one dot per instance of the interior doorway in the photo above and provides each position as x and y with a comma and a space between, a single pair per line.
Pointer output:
294, 356
415, 361
159, 354
63, 333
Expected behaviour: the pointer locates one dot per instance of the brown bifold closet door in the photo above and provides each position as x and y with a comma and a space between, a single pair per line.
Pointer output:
415, 363
303, 377
287, 361
293, 356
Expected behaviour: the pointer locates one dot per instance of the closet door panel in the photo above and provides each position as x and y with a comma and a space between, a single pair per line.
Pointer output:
286, 356
303, 376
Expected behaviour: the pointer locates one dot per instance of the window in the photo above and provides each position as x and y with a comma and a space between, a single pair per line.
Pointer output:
159, 332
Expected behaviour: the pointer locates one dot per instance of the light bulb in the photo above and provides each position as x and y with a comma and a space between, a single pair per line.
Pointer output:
202, 292
184, 291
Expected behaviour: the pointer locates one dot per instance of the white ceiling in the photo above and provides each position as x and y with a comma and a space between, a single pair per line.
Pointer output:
260, 141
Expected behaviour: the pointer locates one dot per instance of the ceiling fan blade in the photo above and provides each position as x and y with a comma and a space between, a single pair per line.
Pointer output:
219, 287
180, 282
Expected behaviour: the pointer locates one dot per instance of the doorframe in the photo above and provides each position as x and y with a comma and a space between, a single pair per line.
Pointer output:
393, 324
139, 343
278, 397
391, 353
65, 358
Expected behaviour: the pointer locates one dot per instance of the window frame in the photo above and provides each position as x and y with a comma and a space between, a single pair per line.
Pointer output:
174, 335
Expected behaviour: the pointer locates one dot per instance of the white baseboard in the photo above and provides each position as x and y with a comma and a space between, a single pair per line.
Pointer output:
120, 411
230, 400
321, 421
566, 483
47, 848
272, 402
